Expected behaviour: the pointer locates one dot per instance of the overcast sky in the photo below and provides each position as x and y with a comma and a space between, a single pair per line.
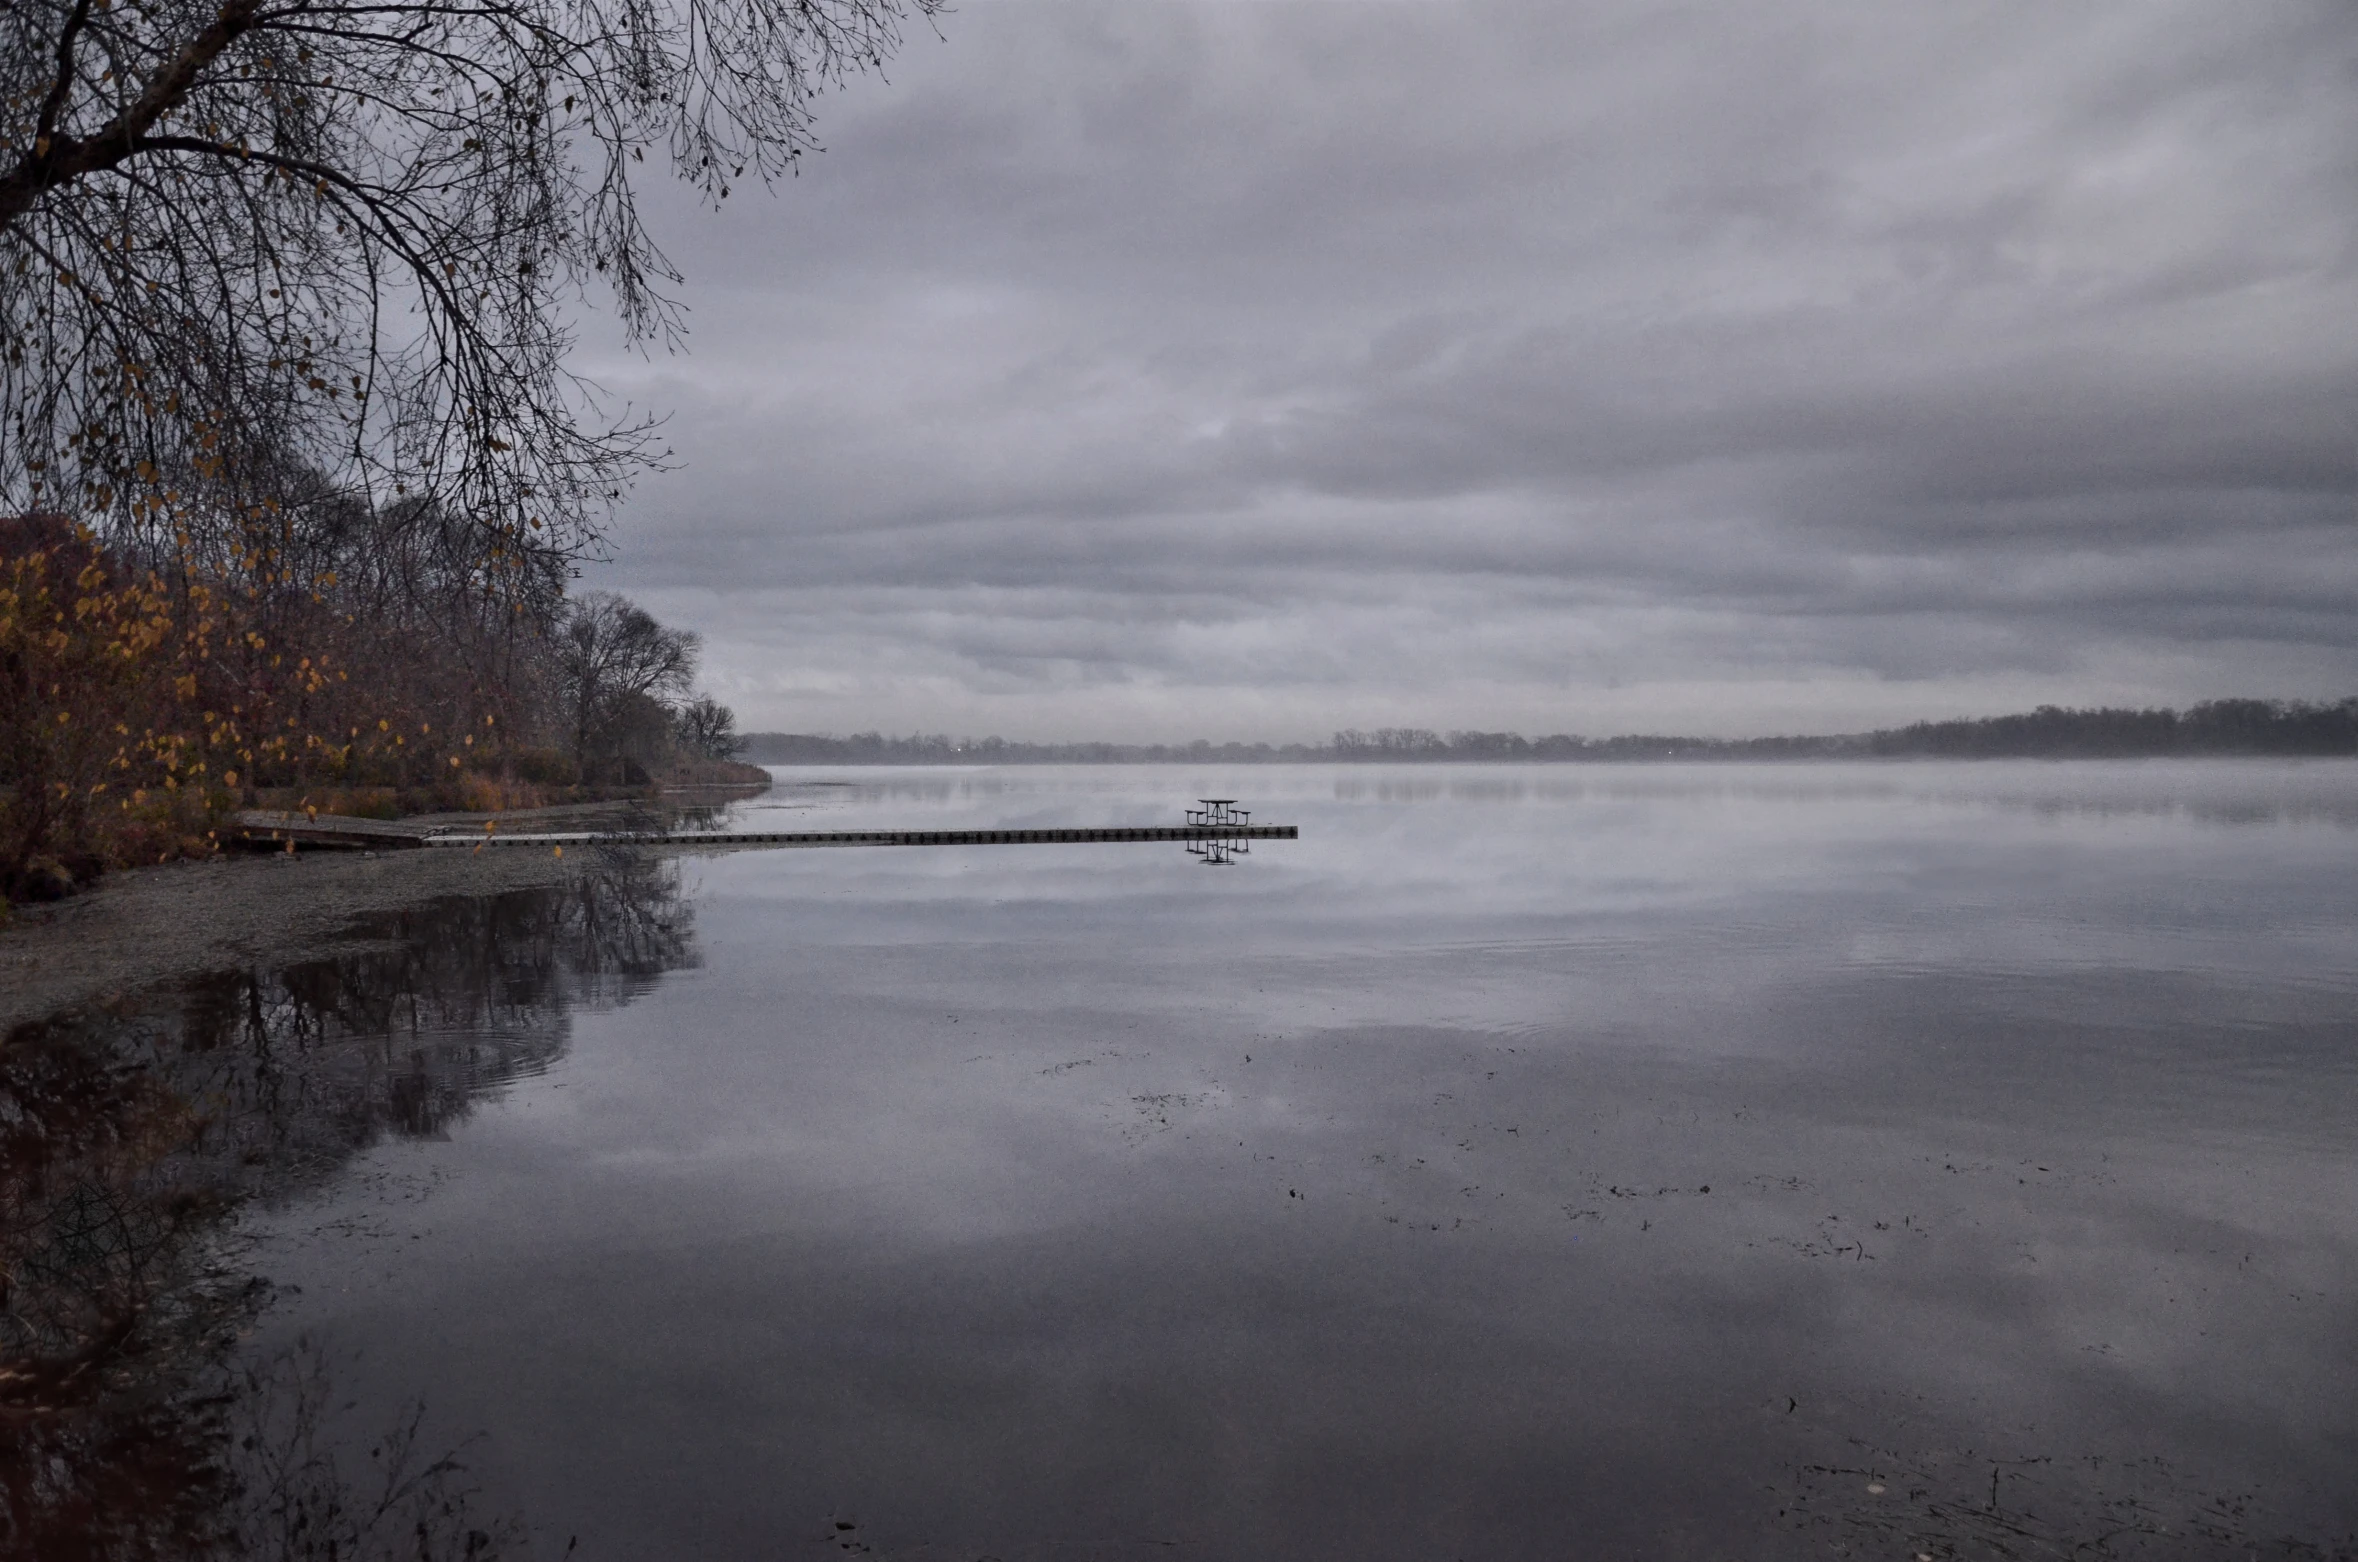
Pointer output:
1147, 369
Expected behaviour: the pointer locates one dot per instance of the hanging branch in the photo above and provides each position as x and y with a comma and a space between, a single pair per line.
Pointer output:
239, 237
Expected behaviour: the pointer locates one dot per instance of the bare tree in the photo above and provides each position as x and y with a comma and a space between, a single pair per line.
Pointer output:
707, 727
614, 662
343, 233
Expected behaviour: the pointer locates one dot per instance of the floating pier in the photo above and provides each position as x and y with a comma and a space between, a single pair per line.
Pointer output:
1212, 832
1169, 832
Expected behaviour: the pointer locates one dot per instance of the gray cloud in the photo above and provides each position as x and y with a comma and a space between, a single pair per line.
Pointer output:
1247, 369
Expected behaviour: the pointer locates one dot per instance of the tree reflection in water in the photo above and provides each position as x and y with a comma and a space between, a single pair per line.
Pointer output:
128, 1138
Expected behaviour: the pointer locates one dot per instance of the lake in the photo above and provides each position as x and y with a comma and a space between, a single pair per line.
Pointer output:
1900, 1160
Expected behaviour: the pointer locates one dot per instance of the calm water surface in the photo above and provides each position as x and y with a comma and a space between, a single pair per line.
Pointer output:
1899, 1161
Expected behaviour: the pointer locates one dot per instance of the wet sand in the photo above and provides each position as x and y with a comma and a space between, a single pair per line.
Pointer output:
149, 925
142, 926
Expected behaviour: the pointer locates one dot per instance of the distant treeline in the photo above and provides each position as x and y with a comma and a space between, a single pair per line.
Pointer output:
2216, 727
2285, 727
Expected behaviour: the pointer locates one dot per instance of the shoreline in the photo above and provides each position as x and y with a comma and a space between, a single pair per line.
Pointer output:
137, 928
140, 927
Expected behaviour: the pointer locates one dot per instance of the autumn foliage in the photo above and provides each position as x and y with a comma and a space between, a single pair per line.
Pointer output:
103, 741
139, 702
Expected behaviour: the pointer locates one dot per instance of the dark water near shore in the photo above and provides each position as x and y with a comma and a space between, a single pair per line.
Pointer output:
1913, 1160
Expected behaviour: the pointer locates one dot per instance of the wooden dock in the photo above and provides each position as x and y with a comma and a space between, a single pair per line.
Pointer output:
794, 838
261, 827
279, 831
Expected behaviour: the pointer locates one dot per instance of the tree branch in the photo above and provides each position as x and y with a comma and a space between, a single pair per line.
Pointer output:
64, 82
65, 159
